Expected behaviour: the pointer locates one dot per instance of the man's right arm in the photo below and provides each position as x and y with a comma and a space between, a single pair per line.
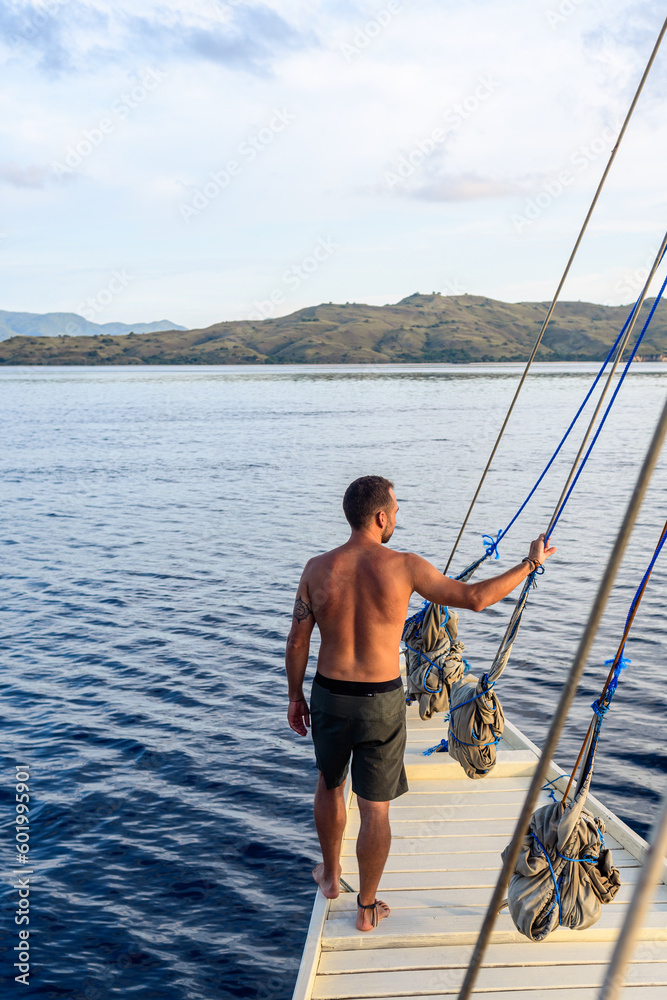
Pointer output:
430, 583
296, 656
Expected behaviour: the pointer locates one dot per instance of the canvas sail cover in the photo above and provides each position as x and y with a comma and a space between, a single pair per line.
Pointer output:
475, 726
433, 660
564, 872
477, 721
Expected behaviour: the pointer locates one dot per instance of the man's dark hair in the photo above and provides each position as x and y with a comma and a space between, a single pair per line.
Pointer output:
364, 498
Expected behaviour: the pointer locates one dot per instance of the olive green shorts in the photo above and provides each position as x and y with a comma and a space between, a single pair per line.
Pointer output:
368, 728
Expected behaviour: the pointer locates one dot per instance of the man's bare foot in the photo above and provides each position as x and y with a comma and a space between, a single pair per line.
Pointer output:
366, 916
329, 886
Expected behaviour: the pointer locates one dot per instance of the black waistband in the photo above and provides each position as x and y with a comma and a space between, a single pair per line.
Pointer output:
360, 688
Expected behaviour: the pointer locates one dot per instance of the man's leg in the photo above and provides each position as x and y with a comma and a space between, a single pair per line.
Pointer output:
373, 842
330, 817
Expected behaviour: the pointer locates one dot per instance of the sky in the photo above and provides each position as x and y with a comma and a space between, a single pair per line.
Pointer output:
207, 160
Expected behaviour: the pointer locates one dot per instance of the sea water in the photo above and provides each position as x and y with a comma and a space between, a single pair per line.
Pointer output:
155, 522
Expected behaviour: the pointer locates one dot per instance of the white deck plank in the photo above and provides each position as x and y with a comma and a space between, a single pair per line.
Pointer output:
416, 725
430, 982
444, 786
585, 993
421, 740
445, 811
454, 845
460, 862
509, 764
480, 879
434, 827
463, 896
449, 926
465, 795
435, 845
545, 953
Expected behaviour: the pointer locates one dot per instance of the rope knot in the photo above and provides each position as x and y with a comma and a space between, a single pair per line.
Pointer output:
600, 709
491, 544
440, 747
621, 665
613, 683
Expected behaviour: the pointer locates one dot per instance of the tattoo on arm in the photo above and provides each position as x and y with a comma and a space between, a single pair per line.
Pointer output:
302, 611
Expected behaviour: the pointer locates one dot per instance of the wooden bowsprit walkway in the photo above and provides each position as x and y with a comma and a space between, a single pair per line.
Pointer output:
448, 832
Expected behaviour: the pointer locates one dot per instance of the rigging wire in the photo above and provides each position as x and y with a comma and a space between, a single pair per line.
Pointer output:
617, 664
511, 853
580, 462
560, 286
616, 352
504, 651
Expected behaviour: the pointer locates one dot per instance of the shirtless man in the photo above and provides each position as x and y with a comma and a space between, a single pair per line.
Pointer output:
358, 596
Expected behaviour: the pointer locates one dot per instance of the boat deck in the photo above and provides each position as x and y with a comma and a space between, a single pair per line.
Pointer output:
448, 832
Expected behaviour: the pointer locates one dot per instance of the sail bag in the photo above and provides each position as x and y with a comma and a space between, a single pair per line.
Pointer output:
433, 660
476, 724
564, 873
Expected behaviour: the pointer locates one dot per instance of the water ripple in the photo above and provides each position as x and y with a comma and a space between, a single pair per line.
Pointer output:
154, 527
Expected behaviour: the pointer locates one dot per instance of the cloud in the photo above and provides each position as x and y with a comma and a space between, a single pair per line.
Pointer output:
624, 43
50, 31
251, 39
228, 65
76, 36
25, 177
466, 187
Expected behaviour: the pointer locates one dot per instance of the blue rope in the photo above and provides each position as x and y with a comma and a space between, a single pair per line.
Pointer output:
480, 694
549, 786
416, 619
602, 707
493, 546
433, 665
602, 704
553, 875
574, 420
443, 745
493, 743
599, 706
419, 617
592, 861
635, 599
610, 404
565, 858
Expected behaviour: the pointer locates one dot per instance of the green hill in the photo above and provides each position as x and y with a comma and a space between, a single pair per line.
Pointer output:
420, 328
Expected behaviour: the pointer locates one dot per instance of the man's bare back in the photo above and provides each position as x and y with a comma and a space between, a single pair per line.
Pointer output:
359, 597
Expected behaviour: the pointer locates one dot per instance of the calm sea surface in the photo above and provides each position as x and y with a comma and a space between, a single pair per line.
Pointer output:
154, 526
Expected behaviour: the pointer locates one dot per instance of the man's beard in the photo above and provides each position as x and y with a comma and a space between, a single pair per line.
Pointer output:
386, 534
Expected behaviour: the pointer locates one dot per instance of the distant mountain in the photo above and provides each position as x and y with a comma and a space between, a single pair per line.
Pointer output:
420, 328
24, 324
